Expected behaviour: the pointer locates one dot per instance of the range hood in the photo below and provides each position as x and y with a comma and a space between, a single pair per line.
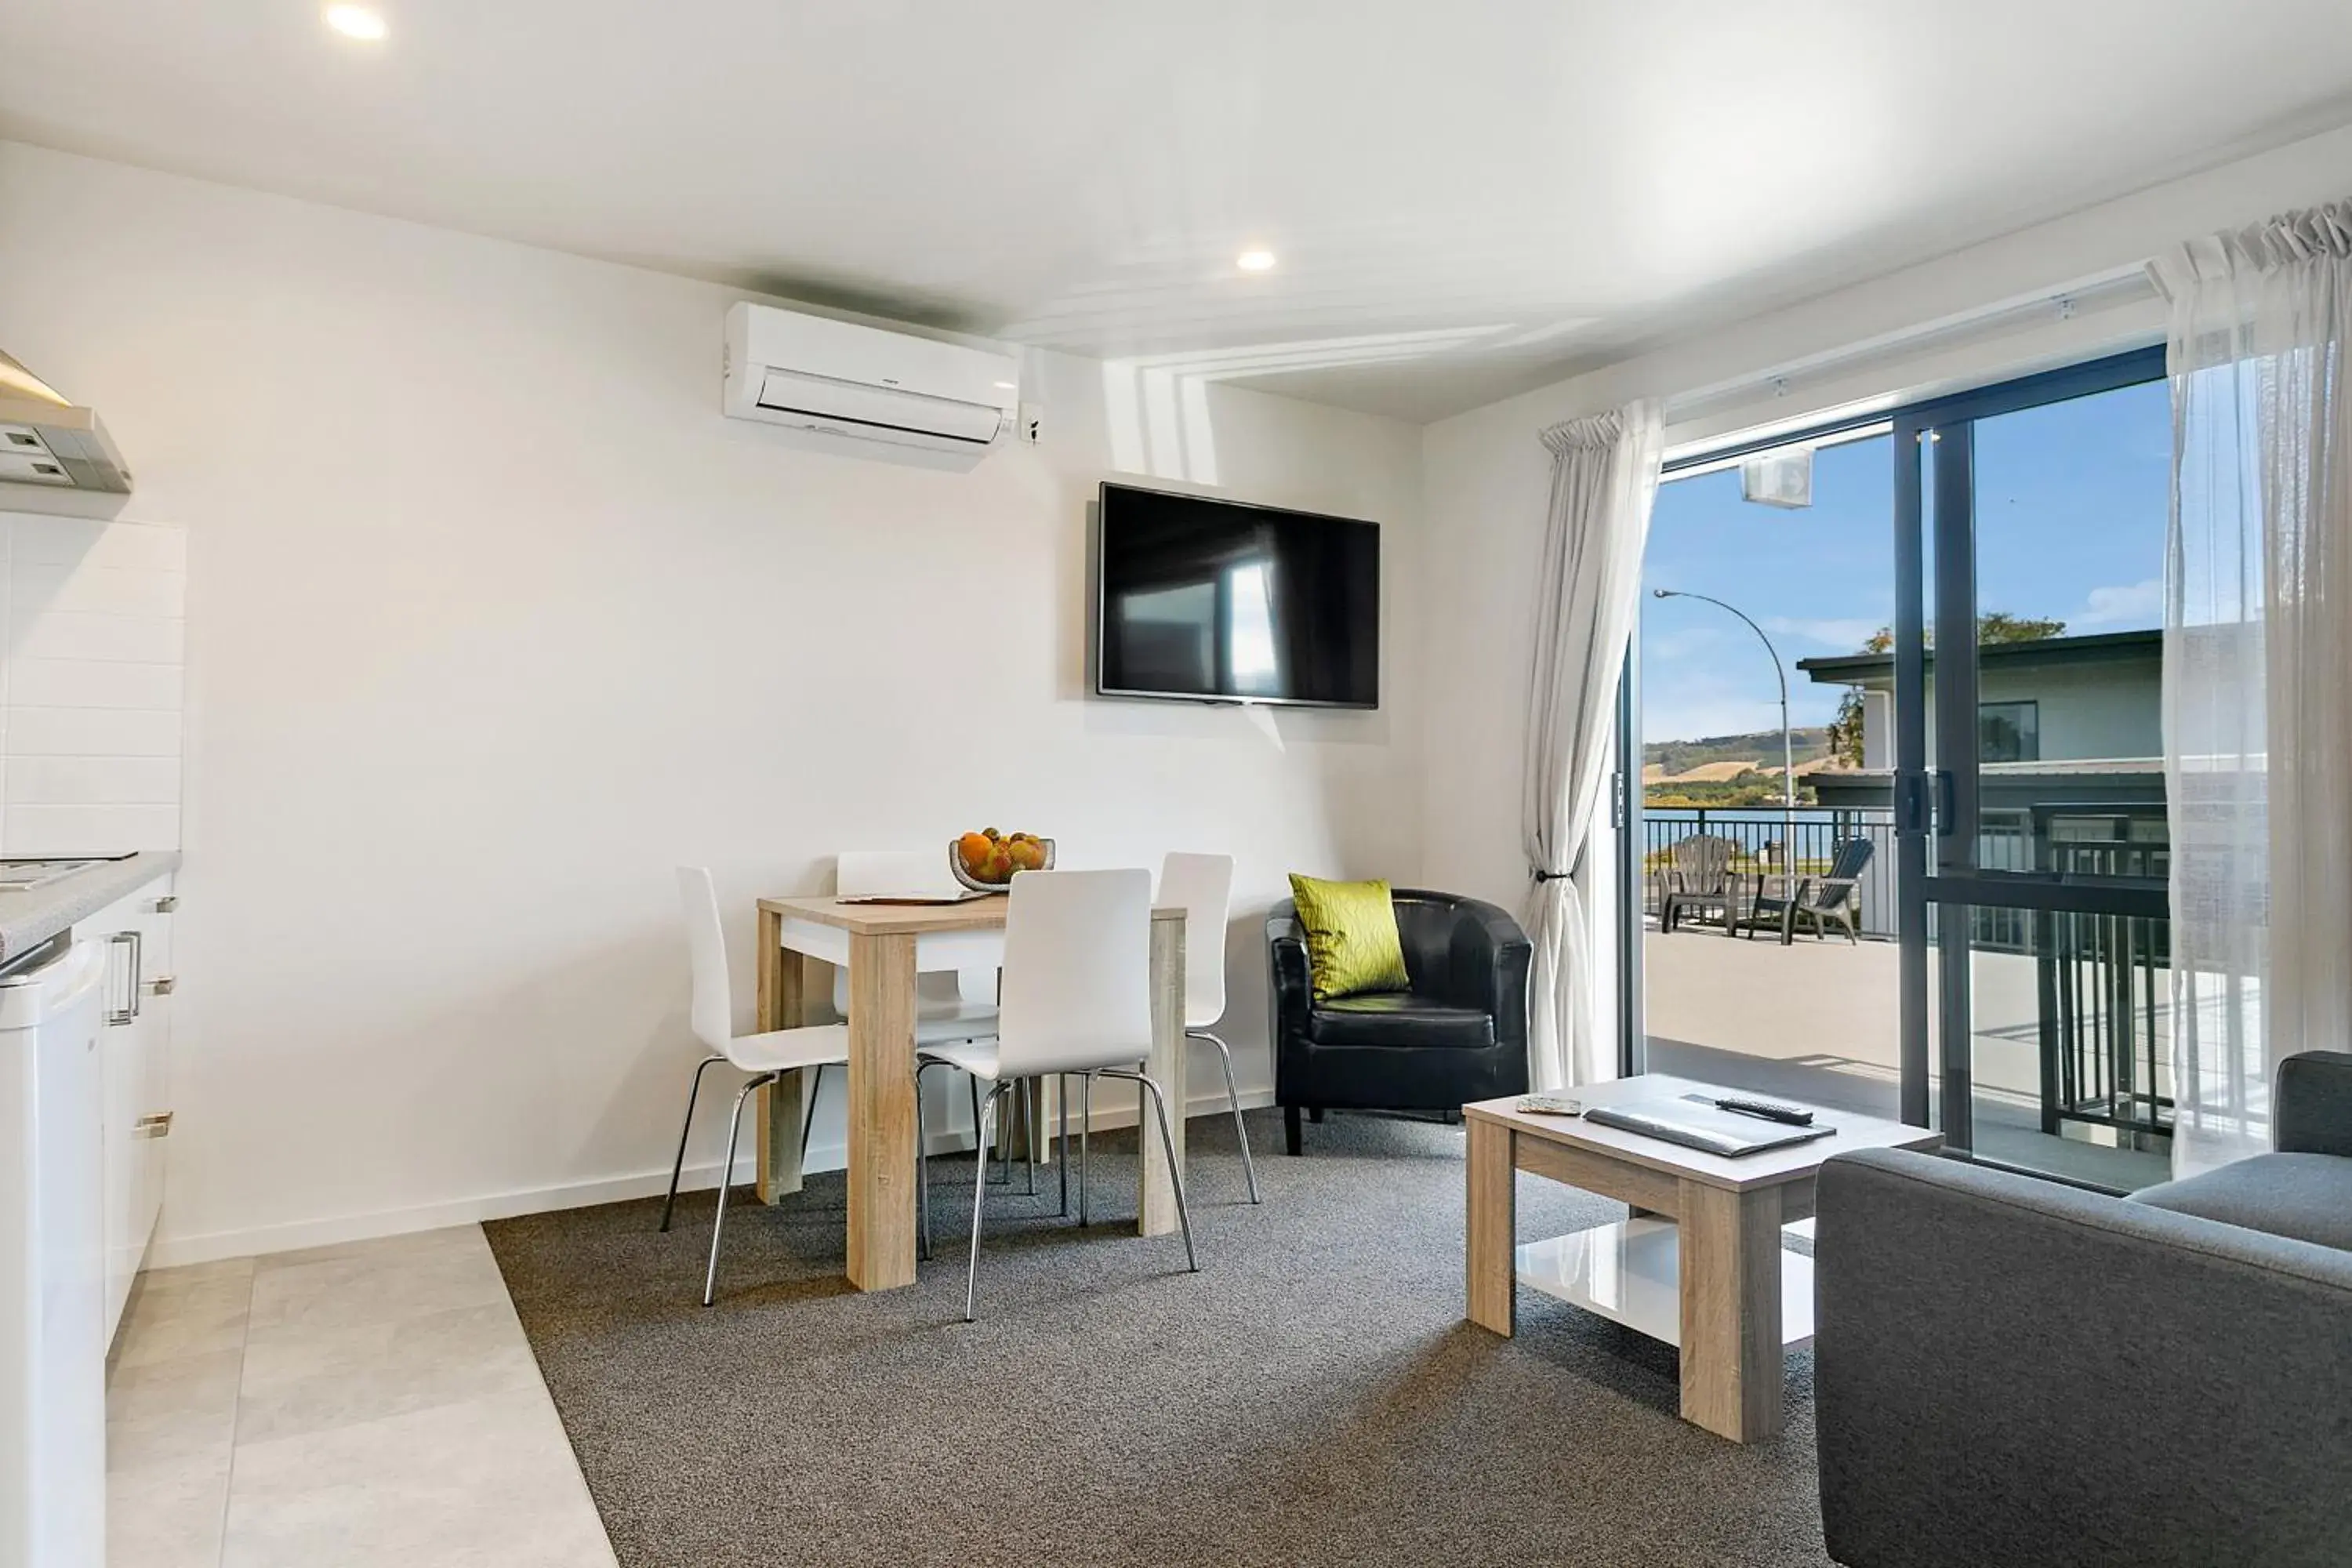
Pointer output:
46, 440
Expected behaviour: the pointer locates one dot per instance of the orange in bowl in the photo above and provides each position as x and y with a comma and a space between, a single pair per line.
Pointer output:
987, 860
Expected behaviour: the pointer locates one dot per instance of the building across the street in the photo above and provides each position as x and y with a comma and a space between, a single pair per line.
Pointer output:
2075, 720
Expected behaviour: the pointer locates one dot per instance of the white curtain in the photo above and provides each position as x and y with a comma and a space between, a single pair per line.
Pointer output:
2258, 669
1604, 476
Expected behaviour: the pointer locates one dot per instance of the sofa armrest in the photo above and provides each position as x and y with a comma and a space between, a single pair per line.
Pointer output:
1290, 973
2011, 1370
1488, 958
2313, 1109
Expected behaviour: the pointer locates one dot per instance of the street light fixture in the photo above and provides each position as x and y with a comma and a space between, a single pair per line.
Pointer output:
1788, 744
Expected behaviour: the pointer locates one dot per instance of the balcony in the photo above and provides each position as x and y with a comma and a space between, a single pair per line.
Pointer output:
2070, 1014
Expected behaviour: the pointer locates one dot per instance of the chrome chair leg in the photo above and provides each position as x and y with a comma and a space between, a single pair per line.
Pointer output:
679, 1165
1032, 1110
1062, 1153
1085, 1131
922, 1171
808, 1119
1004, 1135
979, 1191
981, 1142
1233, 1099
725, 1180
1168, 1147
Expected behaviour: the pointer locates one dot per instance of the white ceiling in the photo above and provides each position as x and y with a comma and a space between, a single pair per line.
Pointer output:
1467, 199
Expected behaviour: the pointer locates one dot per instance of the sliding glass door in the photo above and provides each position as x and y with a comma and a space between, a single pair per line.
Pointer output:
1764, 813
2030, 769
1895, 717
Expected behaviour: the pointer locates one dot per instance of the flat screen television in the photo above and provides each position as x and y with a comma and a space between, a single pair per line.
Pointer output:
1212, 600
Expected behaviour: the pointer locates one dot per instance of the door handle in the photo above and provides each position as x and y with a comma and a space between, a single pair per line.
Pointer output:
1948, 807
157, 1126
129, 1011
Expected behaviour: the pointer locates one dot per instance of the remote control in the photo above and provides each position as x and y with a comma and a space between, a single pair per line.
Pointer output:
1790, 1114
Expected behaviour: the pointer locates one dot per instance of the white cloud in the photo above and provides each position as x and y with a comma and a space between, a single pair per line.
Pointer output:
2139, 604
1847, 636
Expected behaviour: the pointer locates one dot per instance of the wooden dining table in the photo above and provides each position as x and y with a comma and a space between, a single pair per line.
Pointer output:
885, 947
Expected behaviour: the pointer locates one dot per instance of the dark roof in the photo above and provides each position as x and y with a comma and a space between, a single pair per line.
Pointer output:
2099, 648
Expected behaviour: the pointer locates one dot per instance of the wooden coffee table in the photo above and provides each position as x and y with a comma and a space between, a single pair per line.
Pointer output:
1701, 1263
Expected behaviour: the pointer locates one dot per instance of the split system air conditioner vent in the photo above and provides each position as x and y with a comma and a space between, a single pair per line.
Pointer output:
868, 391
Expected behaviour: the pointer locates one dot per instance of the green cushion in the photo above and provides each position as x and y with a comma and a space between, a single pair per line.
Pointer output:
1351, 937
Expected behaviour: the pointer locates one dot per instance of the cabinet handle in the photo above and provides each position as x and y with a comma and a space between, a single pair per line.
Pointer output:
130, 1010
163, 985
167, 903
157, 1126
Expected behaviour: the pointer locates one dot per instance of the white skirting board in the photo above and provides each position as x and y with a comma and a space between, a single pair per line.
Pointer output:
173, 1251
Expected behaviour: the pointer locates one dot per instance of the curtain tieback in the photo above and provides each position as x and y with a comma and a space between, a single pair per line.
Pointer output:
1543, 876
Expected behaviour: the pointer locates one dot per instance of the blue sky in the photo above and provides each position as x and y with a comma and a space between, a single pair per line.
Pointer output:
2071, 502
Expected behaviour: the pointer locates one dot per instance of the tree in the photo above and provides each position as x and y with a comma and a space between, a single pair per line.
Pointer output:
2000, 625
1845, 730
1992, 626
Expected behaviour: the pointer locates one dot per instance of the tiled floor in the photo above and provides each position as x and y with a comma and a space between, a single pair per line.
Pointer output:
374, 1403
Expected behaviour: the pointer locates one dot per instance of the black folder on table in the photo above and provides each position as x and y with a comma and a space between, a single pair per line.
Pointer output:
1695, 1124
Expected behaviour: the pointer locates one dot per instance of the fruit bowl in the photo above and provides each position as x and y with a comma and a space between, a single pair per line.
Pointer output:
987, 860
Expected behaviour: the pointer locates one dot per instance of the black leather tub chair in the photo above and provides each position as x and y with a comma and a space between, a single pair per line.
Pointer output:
1459, 1035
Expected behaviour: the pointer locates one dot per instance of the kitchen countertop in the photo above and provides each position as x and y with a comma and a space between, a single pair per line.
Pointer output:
30, 917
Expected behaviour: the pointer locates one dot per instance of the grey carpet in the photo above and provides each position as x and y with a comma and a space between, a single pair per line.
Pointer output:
1311, 1396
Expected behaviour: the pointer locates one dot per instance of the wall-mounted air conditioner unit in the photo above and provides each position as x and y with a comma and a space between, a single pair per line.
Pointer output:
866, 392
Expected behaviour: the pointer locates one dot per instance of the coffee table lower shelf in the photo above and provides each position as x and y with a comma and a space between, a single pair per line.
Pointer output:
1629, 1271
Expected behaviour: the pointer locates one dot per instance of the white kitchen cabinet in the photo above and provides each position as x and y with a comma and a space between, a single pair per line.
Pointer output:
135, 1059
52, 1264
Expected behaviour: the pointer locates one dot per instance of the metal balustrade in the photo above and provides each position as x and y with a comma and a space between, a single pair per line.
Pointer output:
2104, 979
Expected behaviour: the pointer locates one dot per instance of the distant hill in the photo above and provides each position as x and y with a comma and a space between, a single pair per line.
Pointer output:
1761, 751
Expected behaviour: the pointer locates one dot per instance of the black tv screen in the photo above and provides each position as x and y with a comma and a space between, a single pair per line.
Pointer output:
1215, 601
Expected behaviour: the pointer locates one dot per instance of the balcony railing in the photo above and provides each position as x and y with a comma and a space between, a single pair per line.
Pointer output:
2103, 980
1759, 830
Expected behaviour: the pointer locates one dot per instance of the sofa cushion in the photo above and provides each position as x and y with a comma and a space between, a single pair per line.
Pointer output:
1399, 1018
2306, 1196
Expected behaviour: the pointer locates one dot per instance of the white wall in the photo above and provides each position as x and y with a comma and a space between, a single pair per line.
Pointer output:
1486, 474
492, 620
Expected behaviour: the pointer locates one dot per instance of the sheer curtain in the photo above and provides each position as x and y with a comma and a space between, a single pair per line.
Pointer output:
2258, 669
1604, 476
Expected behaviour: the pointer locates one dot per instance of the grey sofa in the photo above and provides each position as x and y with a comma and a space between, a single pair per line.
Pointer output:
2013, 1371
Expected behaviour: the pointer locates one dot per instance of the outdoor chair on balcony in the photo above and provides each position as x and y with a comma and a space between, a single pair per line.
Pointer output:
1698, 877
1819, 898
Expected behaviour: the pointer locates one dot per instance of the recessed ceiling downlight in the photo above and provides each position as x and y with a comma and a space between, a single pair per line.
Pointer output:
1254, 261
362, 22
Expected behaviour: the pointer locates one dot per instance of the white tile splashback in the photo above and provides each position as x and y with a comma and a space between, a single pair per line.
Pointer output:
71, 634
90, 733
91, 685
91, 781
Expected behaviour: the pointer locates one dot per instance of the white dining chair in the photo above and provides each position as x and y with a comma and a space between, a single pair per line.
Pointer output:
1077, 999
766, 1057
1204, 886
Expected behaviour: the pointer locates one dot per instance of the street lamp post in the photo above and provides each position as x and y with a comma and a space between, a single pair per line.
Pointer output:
1788, 746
